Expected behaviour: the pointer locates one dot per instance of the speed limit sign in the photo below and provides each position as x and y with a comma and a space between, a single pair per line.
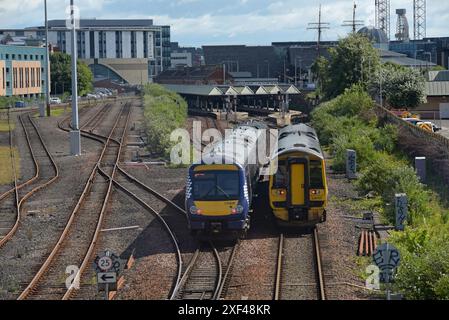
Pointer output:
108, 262
105, 263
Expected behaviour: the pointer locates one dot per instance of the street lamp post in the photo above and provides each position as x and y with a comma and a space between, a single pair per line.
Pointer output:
47, 68
75, 138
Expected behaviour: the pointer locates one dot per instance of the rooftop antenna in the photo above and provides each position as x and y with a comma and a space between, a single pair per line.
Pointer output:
353, 23
319, 26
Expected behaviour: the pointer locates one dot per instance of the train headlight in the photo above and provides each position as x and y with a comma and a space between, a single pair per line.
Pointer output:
195, 210
238, 210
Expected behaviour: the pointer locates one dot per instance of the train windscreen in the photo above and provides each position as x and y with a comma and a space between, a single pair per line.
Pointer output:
316, 175
216, 186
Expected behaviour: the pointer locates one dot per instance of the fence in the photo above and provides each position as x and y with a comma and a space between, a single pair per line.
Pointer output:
430, 137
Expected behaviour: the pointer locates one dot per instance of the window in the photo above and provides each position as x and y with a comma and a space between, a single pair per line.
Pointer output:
13, 57
316, 175
7, 70
20, 57
14, 72
281, 177
216, 185
26, 57
7, 56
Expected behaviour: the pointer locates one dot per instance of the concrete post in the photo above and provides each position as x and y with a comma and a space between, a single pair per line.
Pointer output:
401, 207
75, 137
421, 170
351, 164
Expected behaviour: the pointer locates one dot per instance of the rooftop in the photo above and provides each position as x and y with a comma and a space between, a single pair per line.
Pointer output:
439, 75
437, 88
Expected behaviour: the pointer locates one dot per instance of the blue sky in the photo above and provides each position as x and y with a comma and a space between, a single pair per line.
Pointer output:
201, 22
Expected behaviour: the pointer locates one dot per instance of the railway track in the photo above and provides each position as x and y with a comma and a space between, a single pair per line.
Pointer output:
286, 276
77, 242
46, 283
202, 280
139, 192
46, 172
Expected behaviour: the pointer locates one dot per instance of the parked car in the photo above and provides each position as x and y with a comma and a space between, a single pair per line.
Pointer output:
92, 96
423, 124
55, 100
20, 104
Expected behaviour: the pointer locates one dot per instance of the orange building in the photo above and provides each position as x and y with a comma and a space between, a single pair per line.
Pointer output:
22, 71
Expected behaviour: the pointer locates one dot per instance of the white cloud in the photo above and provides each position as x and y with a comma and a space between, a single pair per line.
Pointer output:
261, 22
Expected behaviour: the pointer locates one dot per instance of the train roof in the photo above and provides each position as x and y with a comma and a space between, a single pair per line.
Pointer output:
237, 146
299, 138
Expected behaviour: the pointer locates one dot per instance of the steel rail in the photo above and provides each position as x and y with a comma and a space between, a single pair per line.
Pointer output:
278, 281
101, 218
161, 220
319, 267
227, 274
44, 268
101, 139
22, 200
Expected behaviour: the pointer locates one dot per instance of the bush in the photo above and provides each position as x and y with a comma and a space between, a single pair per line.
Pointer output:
424, 270
387, 177
164, 112
362, 144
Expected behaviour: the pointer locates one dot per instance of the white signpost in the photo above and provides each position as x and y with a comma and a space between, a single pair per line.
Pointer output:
107, 267
387, 258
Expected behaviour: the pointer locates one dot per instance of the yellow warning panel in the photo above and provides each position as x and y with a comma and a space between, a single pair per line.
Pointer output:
297, 182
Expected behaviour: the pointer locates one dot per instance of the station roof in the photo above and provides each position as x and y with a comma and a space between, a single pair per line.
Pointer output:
439, 75
201, 90
437, 88
220, 90
403, 60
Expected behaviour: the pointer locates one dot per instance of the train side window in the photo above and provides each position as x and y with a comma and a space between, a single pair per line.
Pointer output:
316, 175
281, 177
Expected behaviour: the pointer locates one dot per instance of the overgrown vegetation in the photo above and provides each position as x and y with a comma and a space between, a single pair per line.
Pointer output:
164, 112
6, 171
349, 122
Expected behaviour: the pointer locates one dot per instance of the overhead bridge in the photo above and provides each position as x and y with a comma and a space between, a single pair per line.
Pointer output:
226, 98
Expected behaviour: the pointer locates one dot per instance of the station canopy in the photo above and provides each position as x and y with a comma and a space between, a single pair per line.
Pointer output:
221, 90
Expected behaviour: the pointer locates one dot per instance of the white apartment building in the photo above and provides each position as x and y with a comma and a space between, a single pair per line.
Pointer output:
128, 51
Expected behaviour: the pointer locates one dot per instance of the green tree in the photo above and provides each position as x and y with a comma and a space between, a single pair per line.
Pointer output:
353, 61
402, 87
61, 74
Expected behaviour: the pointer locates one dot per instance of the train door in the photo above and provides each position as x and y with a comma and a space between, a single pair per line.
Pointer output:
298, 183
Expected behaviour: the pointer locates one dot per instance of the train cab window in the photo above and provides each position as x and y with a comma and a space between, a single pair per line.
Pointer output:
281, 177
216, 186
316, 175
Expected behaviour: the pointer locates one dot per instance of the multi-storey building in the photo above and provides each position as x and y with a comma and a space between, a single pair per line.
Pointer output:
127, 51
22, 71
